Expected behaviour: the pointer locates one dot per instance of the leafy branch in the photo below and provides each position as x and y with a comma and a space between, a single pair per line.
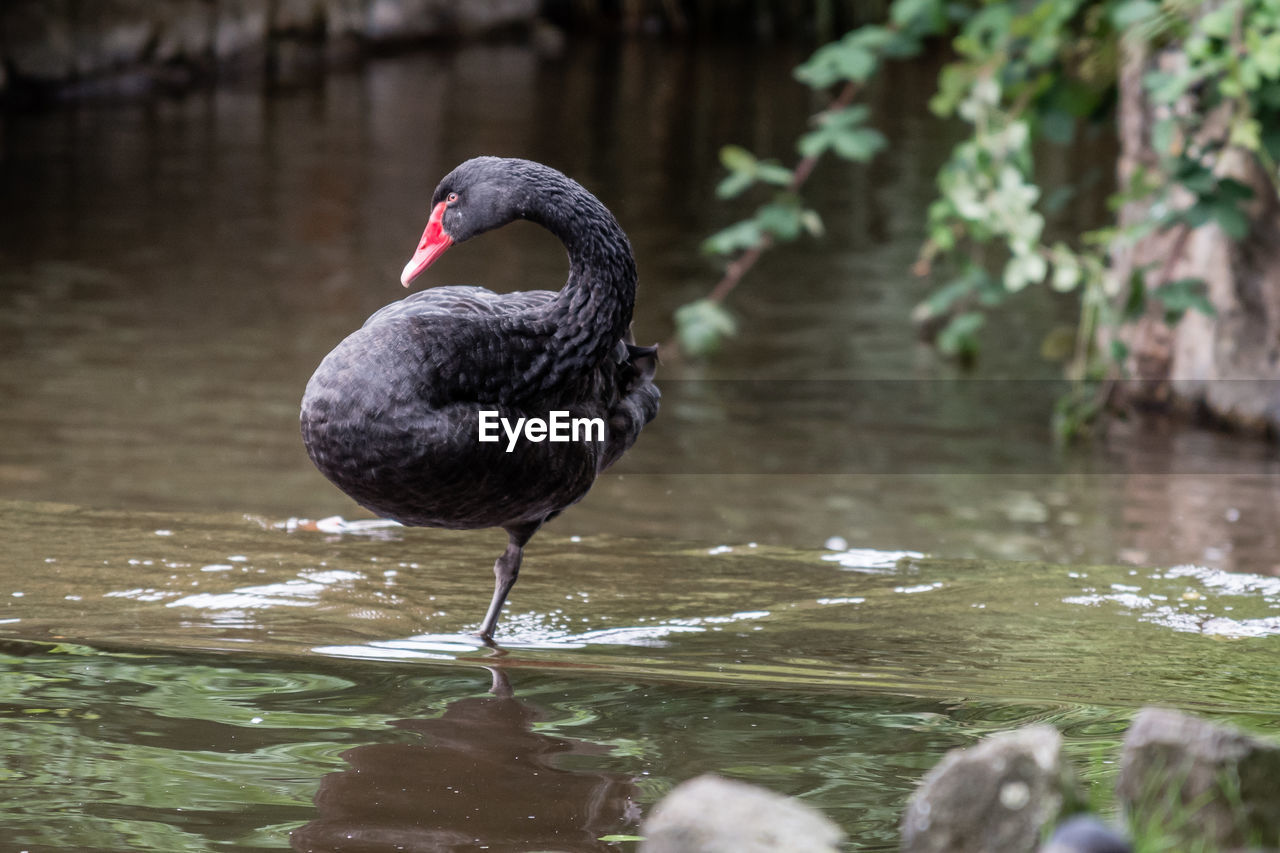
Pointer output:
840, 129
1026, 72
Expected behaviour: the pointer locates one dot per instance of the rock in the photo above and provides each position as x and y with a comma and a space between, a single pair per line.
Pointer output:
996, 796
91, 48
714, 815
1200, 782
1085, 834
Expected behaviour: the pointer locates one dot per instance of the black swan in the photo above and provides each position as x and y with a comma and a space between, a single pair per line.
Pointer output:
393, 415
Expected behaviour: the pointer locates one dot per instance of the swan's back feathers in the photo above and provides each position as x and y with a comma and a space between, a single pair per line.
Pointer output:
461, 301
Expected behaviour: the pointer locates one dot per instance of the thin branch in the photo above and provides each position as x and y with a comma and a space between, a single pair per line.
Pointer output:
741, 265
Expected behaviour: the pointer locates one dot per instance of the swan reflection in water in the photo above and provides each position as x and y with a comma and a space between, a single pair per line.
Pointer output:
480, 778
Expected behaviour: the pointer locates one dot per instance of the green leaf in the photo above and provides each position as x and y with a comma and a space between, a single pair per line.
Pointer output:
1224, 212
1217, 200
954, 82
941, 300
1166, 87
734, 184
1246, 133
960, 337
745, 169
812, 223
621, 838
915, 19
1229, 189
781, 218
737, 237
1119, 351
1184, 294
987, 31
774, 173
1195, 176
1136, 302
1132, 12
735, 158
860, 145
1232, 220
837, 63
1271, 139
872, 37
1220, 22
1264, 53
702, 326
843, 132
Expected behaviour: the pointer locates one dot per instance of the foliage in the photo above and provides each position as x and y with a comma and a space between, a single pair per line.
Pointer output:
1024, 72
702, 325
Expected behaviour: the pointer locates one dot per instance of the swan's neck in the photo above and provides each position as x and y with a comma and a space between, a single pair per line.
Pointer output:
593, 310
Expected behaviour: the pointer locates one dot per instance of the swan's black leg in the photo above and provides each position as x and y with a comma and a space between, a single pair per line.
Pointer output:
505, 572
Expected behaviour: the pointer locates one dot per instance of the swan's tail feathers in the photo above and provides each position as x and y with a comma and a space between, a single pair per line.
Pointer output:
644, 359
637, 402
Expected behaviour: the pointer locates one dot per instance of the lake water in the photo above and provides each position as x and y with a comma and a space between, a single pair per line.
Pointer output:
830, 559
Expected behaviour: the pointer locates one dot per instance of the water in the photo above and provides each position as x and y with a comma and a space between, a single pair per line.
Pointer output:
210, 679
829, 560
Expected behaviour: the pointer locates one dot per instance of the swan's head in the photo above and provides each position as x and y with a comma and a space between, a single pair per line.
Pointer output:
481, 194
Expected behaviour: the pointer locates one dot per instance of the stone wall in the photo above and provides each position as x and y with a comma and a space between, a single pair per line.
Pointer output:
61, 48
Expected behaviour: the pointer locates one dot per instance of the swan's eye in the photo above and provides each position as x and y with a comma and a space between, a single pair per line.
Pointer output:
452, 198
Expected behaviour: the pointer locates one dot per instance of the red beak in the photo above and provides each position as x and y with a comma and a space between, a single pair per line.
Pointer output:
434, 242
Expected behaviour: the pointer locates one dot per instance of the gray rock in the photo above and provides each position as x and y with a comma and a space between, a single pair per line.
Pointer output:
714, 815
1200, 782
1085, 834
994, 797
95, 47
